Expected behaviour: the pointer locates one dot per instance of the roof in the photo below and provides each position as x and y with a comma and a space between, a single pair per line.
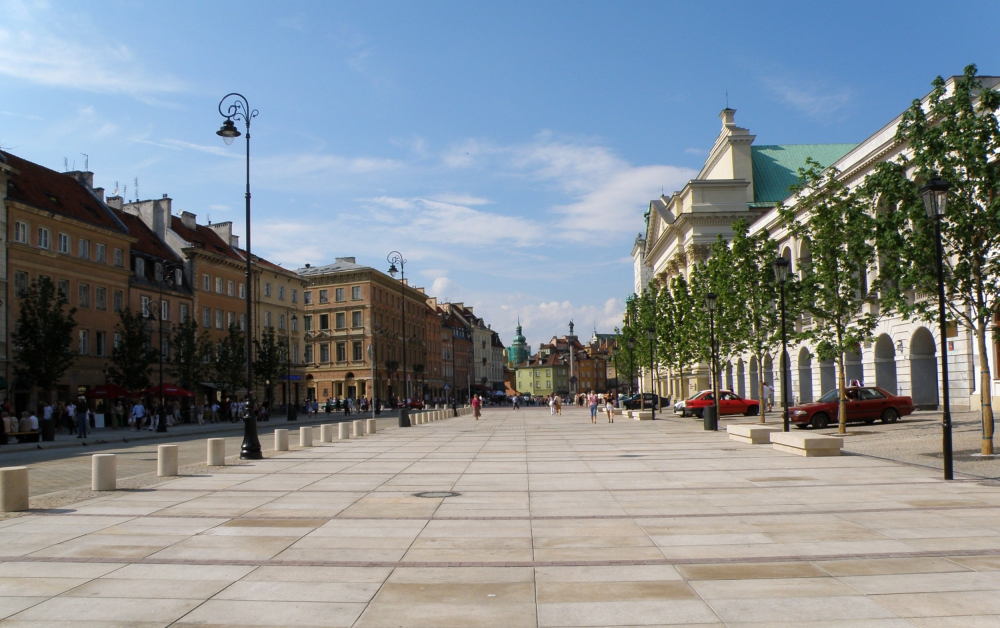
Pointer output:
205, 236
147, 242
58, 193
339, 265
776, 168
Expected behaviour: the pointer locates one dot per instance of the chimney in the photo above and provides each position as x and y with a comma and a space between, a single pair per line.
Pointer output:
190, 220
728, 117
100, 193
224, 230
115, 201
234, 241
346, 260
83, 177
154, 213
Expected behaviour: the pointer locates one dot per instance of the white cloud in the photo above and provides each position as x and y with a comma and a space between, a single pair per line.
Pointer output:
541, 320
460, 199
814, 99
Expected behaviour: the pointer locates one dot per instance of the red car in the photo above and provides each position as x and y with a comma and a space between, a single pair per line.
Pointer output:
412, 404
729, 403
864, 403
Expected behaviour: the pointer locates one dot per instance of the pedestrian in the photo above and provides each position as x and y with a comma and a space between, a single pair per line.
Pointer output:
200, 414
517, 400
768, 396
592, 402
552, 405
609, 408
558, 405
47, 411
477, 404
71, 417
138, 415
82, 417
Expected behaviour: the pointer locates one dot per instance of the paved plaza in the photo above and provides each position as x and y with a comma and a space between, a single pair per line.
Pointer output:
554, 521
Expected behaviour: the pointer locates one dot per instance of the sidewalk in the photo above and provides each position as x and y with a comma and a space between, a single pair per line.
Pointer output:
519, 519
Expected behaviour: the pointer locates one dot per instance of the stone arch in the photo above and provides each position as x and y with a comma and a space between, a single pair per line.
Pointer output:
754, 391
729, 375
805, 256
853, 367
827, 376
805, 376
923, 369
787, 254
885, 364
768, 371
740, 378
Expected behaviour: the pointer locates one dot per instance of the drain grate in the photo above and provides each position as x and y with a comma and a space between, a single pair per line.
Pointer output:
437, 494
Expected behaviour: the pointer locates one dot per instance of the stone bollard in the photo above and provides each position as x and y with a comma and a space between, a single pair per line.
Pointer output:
343, 431
280, 440
166, 460
418, 418
359, 428
371, 426
103, 473
305, 436
217, 452
326, 433
13, 489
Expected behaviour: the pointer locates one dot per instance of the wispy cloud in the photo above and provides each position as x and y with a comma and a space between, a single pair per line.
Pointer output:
814, 99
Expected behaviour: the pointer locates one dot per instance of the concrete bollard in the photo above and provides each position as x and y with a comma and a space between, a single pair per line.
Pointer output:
305, 436
217, 452
103, 472
166, 460
280, 440
13, 489
326, 433
418, 419
359, 428
371, 426
343, 431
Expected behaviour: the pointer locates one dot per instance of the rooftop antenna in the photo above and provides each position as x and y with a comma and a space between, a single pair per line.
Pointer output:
65, 164
136, 181
116, 189
125, 193
86, 162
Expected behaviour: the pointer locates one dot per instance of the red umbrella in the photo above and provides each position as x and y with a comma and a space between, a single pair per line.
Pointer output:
169, 390
107, 391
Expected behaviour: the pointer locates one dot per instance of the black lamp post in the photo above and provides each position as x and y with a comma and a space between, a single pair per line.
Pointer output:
394, 258
711, 302
161, 416
651, 336
290, 409
935, 196
631, 370
240, 110
781, 274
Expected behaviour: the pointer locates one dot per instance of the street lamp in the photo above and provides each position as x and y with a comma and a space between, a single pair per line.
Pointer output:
711, 302
935, 196
651, 336
394, 258
631, 371
161, 416
290, 409
240, 110
781, 274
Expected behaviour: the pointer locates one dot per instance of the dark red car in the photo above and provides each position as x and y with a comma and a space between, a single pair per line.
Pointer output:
729, 403
412, 404
864, 404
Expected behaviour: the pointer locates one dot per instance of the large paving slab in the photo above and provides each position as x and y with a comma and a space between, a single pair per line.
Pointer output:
546, 521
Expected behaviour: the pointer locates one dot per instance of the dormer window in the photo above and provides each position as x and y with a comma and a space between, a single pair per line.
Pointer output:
140, 268
158, 271
178, 277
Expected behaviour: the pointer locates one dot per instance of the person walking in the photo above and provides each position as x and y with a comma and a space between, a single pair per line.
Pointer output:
71, 417
138, 415
81, 417
768, 396
552, 405
477, 404
517, 402
592, 402
558, 405
200, 414
609, 408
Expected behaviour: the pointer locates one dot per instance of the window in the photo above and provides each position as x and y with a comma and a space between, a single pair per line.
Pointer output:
324, 296
62, 286
218, 319
84, 248
84, 295
324, 352
206, 317
281, 321
231, 288
206, 282
144, 304
84, 342
281, 293
101, 299
118, 300
178, 277
64, 243
356, 319
341, 351
295, 323
119, 257
218, 285
157, 271
307, 297
183, 313
295, 354
243, 291
140, 267
295, 295
164, 310
308, 354
356, 351
165, 348
231, 320
324, 321
43, 238
20, 232
267, 288
356, 293
99, 340
102, 253
340, 294
116, 340
307, 323
341, 320
243, 322
20, 282
267, 319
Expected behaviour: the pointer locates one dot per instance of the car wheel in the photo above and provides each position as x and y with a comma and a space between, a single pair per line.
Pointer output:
820, 420
752, 411
889, 415
700, 414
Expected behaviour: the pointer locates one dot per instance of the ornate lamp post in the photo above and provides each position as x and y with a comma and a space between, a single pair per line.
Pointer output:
161, 416
239, 110
781, 274
935, 196
394, 258
711, 302
631, 371
290, 409
651, 336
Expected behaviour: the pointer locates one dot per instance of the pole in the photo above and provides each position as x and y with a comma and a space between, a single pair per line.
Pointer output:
651, 372
785, 366
946, 446
715, 370
161, 426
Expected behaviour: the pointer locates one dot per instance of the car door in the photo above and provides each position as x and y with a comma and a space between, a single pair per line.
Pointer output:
872, 403
727, 404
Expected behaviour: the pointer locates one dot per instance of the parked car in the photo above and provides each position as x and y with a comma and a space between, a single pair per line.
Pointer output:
412, 404
648, 399
729, 403
865, 404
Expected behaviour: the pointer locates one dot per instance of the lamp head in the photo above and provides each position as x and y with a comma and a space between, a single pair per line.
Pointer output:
780, 266
631, 343
935, 196
393, 270
228, 132
651, 333
711, 301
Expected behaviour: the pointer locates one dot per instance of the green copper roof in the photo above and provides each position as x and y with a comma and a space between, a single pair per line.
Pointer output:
776, 168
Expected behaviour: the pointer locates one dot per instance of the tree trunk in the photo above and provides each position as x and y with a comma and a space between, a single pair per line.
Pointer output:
842, 387
760, 388
985, 394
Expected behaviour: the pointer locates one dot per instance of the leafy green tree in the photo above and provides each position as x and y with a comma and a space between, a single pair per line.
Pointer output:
132, 360
43, 337
269, 362
839, 227
678, 344
191, 347
229, 365
955, 134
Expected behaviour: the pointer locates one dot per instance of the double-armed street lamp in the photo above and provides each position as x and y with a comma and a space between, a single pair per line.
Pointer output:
781, 274
711, 302
631, 371
651, 336
935, 196
397, 258
239, 110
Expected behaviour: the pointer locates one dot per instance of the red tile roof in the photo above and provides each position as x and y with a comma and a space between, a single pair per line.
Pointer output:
204, 236
148, 242
58, 193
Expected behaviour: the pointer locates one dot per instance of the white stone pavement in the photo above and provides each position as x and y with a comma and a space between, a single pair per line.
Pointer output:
556, 522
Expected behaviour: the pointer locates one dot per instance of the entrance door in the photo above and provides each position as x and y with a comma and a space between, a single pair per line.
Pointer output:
352, 392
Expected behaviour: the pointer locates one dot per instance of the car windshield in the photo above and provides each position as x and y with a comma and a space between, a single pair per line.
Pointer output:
698, 395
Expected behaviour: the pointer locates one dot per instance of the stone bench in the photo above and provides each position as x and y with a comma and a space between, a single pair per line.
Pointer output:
642, 415
806, 444
753, 434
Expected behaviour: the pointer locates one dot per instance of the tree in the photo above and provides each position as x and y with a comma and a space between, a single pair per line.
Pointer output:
192, 350
955, 134
836, 221
43, 336
230, 364
133, 358
268, 364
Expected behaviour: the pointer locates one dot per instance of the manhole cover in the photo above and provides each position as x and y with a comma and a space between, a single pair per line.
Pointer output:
437, 494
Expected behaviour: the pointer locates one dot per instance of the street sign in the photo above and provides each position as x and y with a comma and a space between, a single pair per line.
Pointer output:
447, 386
294, 378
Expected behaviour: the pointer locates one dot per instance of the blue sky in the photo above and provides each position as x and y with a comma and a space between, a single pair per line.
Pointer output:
508, 149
